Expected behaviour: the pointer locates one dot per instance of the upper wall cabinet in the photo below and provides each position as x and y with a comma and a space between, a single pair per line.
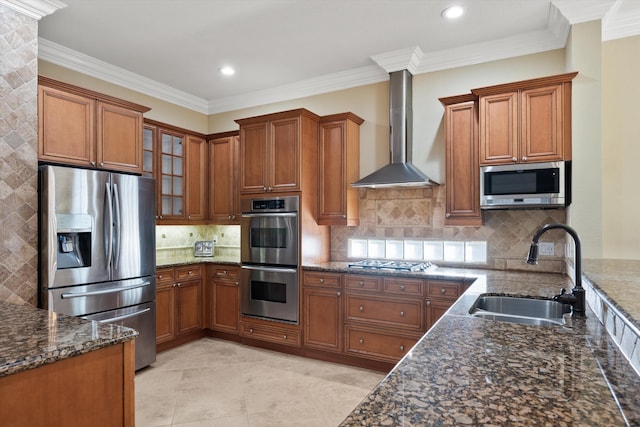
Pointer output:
224, 200
178, 160
272, 148
81, 127
462, 162
526, 121
339, 166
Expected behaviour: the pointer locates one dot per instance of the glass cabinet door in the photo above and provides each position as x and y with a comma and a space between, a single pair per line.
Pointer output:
148, 140
172, 175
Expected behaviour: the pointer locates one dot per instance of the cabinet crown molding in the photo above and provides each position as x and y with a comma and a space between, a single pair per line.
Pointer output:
525, 84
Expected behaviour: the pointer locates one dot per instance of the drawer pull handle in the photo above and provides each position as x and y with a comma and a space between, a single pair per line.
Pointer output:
160, 276
443, 291
402, 314
250, 330
402, 287
401, 348
321, 280
361, 341
361, 283
361, 308
190, 272
224, 272
284, 337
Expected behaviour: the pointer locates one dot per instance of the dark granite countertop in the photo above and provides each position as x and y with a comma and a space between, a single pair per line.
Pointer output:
179, 260
31, 337
472, 371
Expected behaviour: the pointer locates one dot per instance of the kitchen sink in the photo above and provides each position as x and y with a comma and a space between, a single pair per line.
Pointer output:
527, 311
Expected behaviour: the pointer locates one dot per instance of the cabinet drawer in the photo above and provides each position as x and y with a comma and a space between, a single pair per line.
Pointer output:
403, 313
189, 272
362, 283
381, 345
323, 279
272, 334
165, 275
448, 290
221, 272
403, 286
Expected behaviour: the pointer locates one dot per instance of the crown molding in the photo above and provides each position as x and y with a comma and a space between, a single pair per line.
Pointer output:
615, 26
35, 9
324, 84
578, 11
401, 59
74, 60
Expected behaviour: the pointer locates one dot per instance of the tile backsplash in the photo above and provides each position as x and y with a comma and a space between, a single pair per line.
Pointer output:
418, 213
175, 239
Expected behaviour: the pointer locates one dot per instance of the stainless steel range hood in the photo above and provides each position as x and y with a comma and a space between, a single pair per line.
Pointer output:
400, 172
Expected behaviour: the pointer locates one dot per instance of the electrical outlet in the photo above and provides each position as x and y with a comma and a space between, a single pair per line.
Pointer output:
545, 248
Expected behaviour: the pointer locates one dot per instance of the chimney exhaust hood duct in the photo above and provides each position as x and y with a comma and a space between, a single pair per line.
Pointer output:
400, 172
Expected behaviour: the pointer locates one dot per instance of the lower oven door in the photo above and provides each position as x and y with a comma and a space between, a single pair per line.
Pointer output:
142, 318
270, 293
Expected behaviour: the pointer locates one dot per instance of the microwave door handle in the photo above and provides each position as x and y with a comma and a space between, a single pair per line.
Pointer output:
117, 226
271, 214
108, 210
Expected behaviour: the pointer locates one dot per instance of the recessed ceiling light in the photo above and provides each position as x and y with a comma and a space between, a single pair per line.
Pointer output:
227, 71
453, 12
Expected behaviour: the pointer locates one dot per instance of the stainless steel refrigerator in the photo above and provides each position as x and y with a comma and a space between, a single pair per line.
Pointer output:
97, 249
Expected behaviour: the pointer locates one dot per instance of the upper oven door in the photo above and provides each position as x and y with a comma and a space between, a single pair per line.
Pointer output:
269, 238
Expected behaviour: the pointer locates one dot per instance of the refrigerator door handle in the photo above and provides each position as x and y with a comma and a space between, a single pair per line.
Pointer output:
109, 223
124, 316
117, 229
67, 295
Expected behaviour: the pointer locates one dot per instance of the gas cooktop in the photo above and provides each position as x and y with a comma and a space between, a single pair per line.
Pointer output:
376, 264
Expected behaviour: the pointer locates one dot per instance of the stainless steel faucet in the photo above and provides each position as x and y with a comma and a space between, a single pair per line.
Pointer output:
577, 296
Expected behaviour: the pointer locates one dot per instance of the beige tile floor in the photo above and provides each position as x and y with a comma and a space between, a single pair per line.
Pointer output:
212, 382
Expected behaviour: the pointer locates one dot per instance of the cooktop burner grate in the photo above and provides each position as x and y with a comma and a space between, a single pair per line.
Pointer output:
375, 264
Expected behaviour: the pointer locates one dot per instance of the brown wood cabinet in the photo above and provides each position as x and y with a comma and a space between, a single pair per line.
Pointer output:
322, 310
179, 302
80, 127
223, 298
92, 389
179, 161
526, 121
339, 166
462, 206
276, 333
273, 148
440, 296
224, 195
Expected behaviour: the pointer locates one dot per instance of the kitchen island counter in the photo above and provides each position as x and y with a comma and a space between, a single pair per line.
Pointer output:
472, 371
31, 337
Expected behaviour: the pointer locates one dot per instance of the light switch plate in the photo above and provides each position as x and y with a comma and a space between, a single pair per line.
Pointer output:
545, 248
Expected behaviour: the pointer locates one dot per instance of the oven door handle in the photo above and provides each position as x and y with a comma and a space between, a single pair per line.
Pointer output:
271, 214
274, 269
103, 291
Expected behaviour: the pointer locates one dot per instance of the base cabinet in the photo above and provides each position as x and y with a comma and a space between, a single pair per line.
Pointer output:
178, 302
223, 298
384, 345
270, 332
322, 301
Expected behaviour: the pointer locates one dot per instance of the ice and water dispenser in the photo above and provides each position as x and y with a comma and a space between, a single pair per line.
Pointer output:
74, 240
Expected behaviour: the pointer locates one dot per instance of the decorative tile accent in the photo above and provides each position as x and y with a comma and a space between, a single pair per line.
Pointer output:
18, 157
419, 213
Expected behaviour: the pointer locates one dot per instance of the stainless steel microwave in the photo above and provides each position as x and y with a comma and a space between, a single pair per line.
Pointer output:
527, 185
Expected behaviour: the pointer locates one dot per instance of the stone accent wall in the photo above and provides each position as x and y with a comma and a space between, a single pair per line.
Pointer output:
418, 213
18, 157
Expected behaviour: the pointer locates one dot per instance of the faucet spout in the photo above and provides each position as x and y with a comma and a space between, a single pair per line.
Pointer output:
579, 307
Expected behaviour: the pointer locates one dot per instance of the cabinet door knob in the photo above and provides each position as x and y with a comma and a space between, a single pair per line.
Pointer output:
237, 284
443, 291
361, 308
101, 165
429, 302
344, 217
338, 293
284, 337
264, 188
524, 158
402, 314
361, 283
401, 348
321, 280
190, 272
160, 276
447, 215
402, 287
93, 163
179, 284
361, 341
515, 159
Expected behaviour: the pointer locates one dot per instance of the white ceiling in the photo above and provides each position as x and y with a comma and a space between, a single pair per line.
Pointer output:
285, 49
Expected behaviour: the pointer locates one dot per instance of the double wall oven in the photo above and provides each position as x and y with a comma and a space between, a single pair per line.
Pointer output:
270, 255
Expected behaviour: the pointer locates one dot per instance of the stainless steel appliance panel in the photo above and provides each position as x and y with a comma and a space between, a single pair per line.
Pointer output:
81, 300
269, 238
133, 201
270, 292
72, 240
142, 318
